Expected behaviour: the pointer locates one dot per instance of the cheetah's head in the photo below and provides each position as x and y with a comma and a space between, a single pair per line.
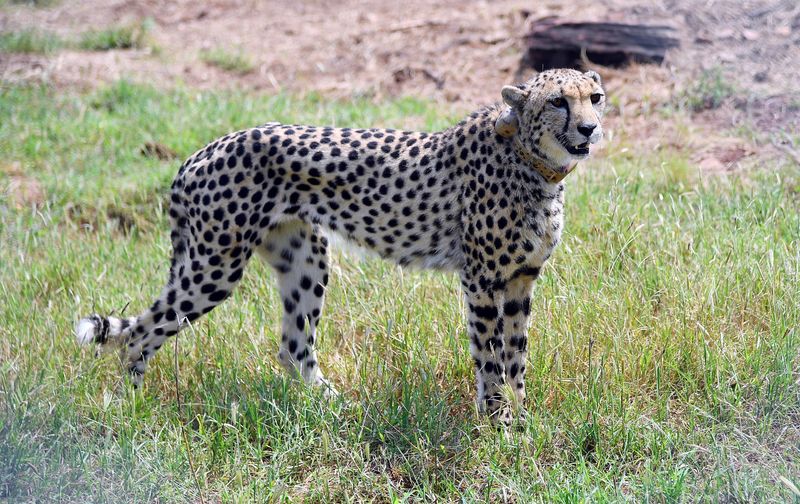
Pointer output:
556, 115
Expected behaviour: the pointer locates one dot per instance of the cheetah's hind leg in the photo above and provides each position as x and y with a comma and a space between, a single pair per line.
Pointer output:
298, 252
194, 288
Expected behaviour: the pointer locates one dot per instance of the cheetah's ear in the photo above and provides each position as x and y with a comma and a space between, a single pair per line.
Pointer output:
514, 96
508, 122
594, 76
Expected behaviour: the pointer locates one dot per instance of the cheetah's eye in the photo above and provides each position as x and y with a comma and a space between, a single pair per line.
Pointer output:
558, 102
596, 97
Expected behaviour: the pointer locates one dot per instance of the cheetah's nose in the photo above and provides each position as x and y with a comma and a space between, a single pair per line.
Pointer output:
586, 129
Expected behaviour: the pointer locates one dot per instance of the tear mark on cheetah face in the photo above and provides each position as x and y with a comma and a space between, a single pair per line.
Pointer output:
558, 115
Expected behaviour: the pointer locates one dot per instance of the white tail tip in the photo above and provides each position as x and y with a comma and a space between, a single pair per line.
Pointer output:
85, 331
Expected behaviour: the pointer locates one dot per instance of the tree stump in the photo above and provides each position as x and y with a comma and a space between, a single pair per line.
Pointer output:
553, 43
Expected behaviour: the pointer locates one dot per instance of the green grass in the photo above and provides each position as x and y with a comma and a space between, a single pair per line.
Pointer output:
32, 3
236, 62
133, 36
663, 362
708, 91
116, 37
30, 41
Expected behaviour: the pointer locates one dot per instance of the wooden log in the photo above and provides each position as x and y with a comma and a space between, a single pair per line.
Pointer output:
553, 43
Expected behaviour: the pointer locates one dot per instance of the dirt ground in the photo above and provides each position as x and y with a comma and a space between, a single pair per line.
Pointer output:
460, 52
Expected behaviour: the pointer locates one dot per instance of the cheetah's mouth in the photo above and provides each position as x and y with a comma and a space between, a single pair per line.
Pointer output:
577, 150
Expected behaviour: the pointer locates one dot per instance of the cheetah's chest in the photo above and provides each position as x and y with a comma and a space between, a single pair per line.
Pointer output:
544, 222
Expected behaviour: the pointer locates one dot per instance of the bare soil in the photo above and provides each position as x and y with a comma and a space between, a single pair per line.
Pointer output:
459, 52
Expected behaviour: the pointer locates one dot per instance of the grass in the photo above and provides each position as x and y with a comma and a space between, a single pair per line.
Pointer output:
663, 362
44, 42
32, 3
30, 41
236, 62
132, 36
709, 91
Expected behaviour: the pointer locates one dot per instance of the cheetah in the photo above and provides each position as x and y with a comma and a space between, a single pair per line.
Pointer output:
483, 198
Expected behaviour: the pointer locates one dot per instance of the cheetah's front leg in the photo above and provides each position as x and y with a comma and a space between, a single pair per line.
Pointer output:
516, 316
485, 326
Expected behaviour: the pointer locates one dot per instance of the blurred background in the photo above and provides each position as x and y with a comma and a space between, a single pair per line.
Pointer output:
735, 66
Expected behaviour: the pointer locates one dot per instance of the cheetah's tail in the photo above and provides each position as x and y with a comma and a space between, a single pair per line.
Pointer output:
103, 330
115, 331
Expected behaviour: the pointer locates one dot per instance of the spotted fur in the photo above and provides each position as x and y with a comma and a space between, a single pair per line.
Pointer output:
471, 199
